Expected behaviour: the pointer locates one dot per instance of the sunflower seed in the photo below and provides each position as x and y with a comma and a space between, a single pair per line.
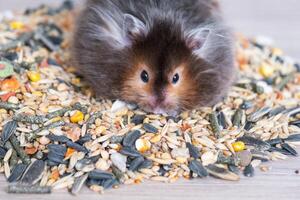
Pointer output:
275, 141
136, 163
78, 183
293, 138
295, 123
276, 111
131, 137
146, 164
100, 175
150, 128
56, 153
233, 169
290, 149
9, 106
138, 119
17, 173
28, 189
258, 155
258, 144
127, 151
118, 173
257, 115
8, 130
21, 153
2, 152
215, 124
249, 171
34, 172
237, 118
194, 151
58, 138
106, 184
222, 120
30, 119
76, 146
196, 167
222, 173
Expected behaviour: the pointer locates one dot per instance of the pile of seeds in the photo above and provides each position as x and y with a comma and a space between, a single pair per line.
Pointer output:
55, 134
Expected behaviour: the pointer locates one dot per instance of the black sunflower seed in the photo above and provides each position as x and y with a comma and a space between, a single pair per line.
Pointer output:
249, 171
233, 169
237, 117
276, 111
109, 183
116, 139
150, 128
259, 155
138, 119
136, 163
34, 172
17, 172
28, 189
259, 114
76, 146
246, 105
248, 125
275, 141
56, 153
295, 123
196, 167
293, 138
222, 120
257, 143
222, 173
194, 151
2, 152
100, 175
290, 149
8, 129
131, 137
127, 151
146, 164
58, 138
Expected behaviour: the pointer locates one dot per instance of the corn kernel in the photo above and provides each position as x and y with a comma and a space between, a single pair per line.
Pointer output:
142, 145
266, 70
34, 76
16, 25
238, 146
77, 117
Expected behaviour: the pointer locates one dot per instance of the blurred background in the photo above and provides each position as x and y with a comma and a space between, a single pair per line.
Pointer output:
278, 19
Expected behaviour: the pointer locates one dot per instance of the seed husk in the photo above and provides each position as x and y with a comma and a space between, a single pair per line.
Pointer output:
196, 167
258, 144
17, 172
8, 130
290, 149
249, 171
34, 172
28, 189
78, 183
222, 173
131, 137
2, 152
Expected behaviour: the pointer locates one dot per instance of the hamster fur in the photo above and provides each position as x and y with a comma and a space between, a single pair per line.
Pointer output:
164, 55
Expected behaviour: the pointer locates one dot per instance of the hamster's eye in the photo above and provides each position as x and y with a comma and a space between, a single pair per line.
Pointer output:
175, 78
145, 76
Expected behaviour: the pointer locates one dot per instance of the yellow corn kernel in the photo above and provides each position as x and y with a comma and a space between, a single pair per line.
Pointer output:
238, 146
266, 70
34, 76
16, 25
78, 116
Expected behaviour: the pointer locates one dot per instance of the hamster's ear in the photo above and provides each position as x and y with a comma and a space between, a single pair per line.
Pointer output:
133, 27
197, 38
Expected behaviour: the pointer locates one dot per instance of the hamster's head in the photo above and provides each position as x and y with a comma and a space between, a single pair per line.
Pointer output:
165, 75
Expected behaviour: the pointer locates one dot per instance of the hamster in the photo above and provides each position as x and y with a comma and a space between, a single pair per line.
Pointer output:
166, 56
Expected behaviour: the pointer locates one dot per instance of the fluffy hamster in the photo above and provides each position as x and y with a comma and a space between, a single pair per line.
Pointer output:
164, 55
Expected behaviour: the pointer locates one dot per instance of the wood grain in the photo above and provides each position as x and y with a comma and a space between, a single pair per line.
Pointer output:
276, 18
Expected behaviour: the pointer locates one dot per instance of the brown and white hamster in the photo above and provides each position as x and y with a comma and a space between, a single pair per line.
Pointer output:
164, 55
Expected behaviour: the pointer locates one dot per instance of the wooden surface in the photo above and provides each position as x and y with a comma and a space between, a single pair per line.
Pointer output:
276, 18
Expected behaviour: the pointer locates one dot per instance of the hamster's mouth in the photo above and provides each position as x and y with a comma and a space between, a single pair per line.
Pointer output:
160, 110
